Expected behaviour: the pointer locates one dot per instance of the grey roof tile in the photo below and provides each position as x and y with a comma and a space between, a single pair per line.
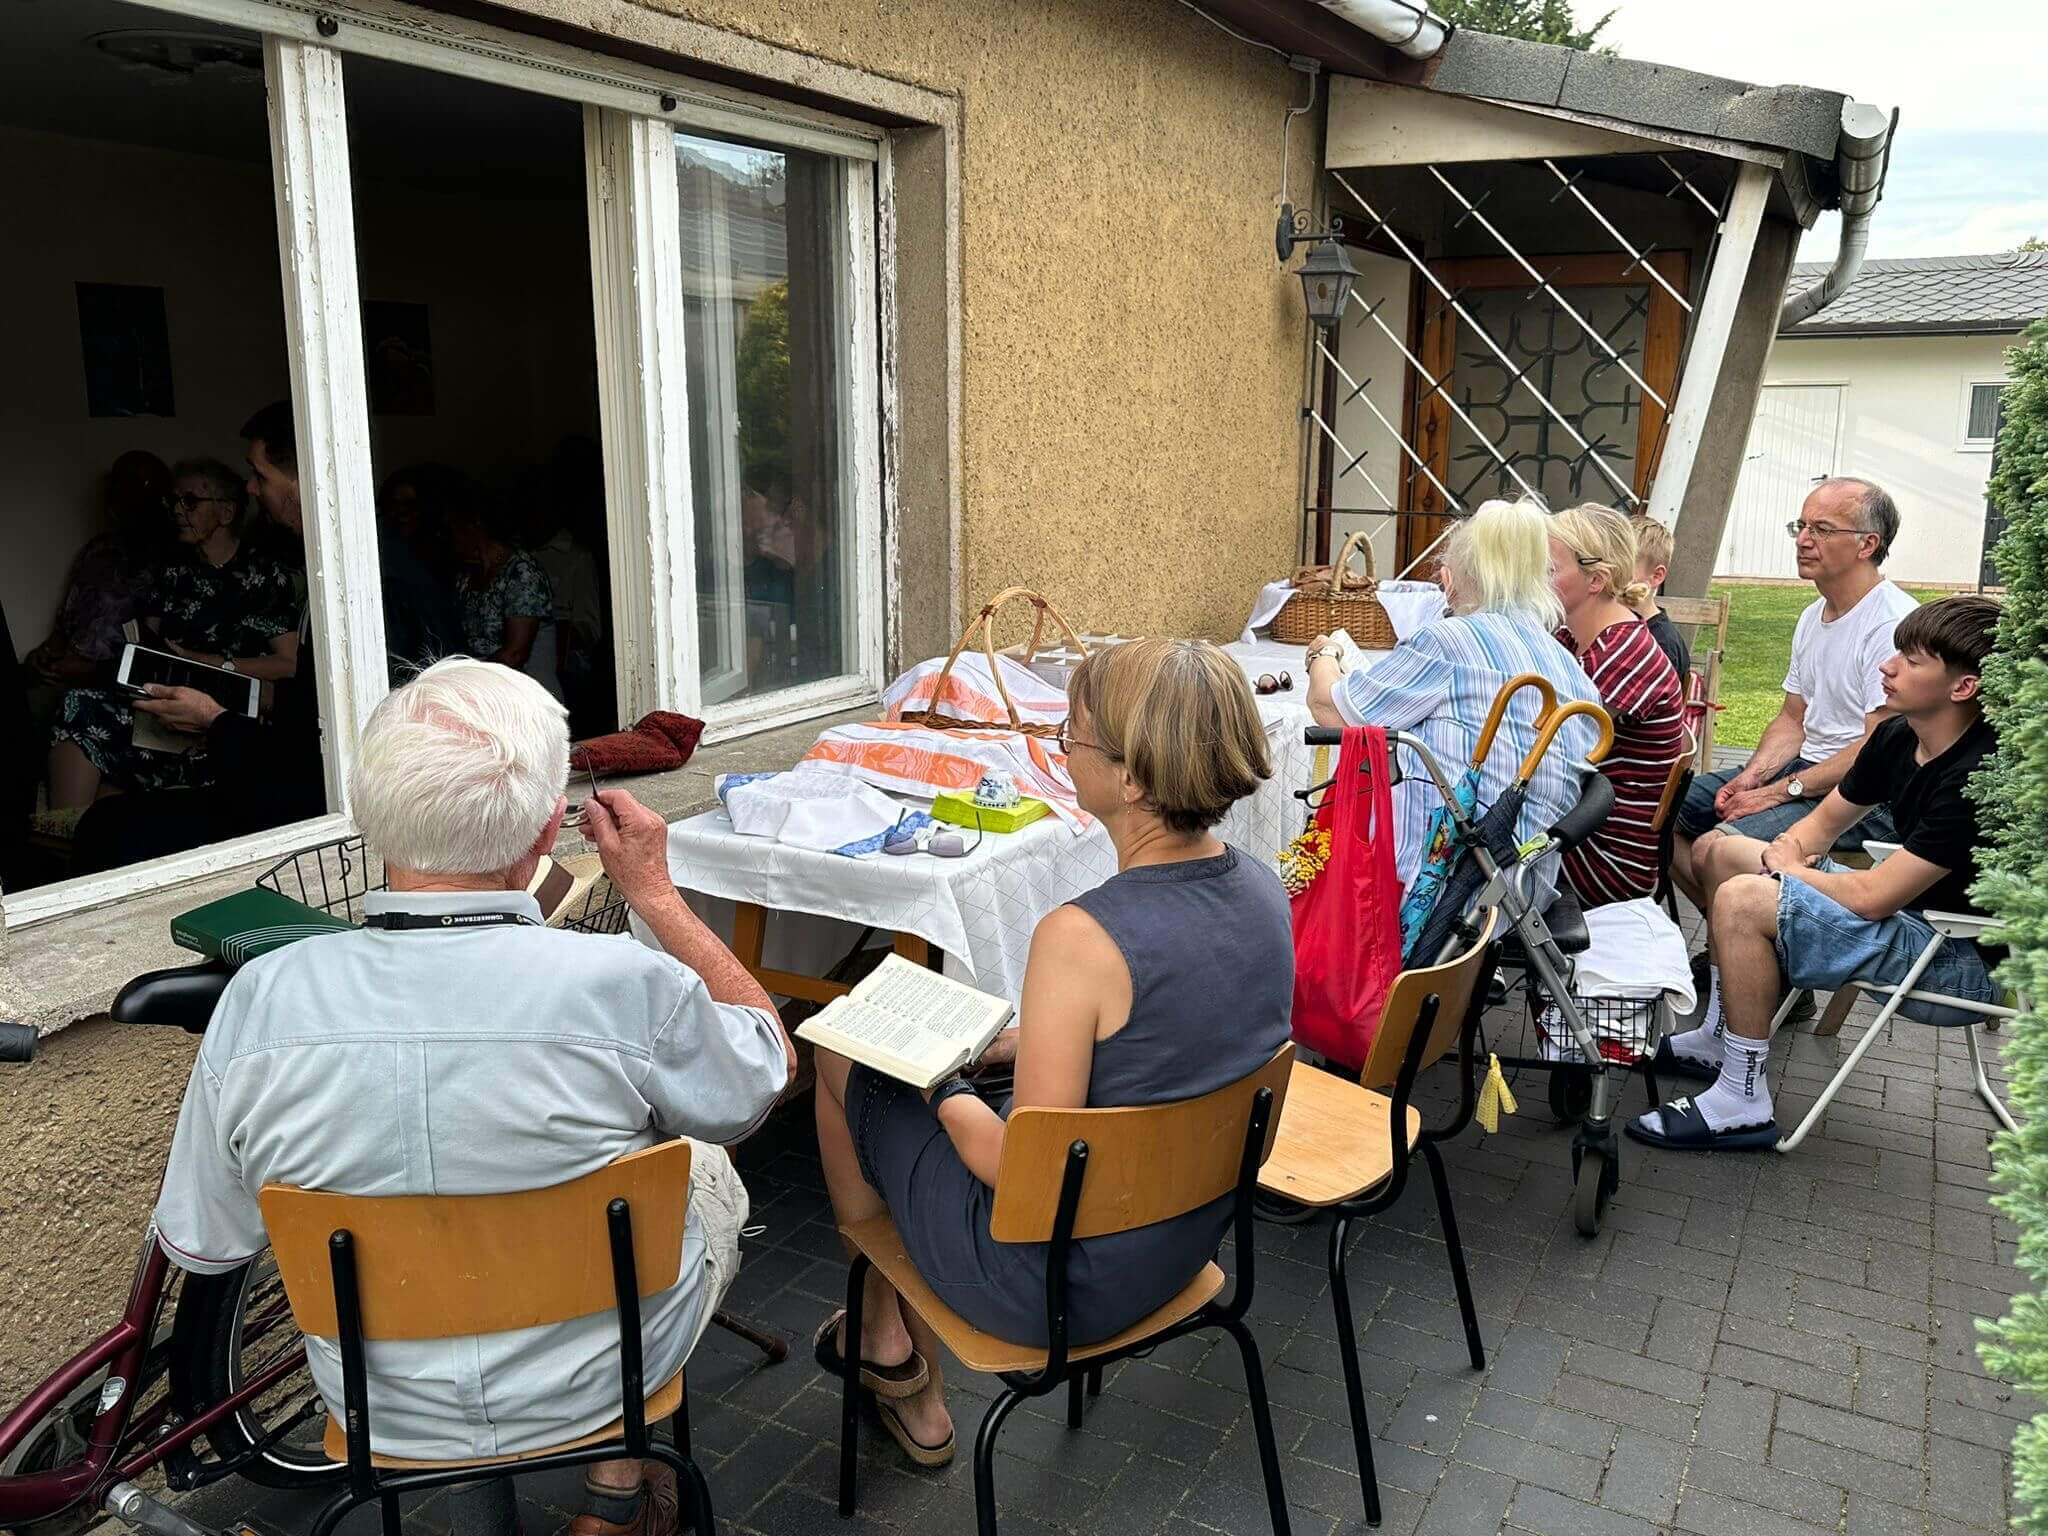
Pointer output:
1932, 295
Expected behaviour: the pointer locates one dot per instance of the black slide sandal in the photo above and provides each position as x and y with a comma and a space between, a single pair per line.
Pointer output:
1680, 1126
1668, 1063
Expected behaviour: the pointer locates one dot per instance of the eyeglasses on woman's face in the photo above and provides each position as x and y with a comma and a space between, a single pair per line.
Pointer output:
190, 501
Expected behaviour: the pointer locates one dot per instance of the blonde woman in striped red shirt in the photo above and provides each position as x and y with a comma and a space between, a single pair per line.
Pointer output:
1592, 570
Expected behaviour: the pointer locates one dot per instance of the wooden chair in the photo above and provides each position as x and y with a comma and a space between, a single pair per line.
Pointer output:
1070, 1174
1665, 823
1703, 614
358, 1268
1345, 1146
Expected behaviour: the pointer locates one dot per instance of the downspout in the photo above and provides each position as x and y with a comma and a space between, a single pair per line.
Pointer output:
1862, 156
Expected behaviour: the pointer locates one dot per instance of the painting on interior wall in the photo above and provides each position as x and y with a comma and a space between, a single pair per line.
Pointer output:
127, 347
400, 359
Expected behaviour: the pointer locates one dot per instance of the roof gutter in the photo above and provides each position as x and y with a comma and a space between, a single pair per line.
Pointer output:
1410, 29
1862, 156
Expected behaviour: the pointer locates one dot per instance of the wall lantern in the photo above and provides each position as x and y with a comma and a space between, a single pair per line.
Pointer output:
1327, 276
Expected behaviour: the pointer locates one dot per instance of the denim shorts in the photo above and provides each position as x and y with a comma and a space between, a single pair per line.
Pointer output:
1822, 945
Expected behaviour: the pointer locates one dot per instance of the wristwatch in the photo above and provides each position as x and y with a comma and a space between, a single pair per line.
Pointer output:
1795, 789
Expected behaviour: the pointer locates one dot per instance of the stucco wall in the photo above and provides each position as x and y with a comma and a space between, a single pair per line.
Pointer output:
1902, 423
1131, 351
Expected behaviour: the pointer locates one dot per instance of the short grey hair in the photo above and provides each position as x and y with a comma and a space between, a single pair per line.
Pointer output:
229, 485
1874, 506
459, 770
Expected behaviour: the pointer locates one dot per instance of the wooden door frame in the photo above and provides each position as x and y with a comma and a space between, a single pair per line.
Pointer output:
1431, 419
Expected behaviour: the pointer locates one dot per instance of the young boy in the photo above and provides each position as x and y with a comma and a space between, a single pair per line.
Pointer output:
1653, 564
1784, 907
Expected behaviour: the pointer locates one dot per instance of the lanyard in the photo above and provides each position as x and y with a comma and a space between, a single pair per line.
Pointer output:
405, 922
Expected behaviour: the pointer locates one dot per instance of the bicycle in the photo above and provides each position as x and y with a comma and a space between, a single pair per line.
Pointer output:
203, 1375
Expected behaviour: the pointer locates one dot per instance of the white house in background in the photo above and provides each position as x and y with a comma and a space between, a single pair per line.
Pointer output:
1898, 380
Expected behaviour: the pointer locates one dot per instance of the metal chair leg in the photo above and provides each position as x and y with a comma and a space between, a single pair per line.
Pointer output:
679, 1424
334, 1511
1262, 1424
985, 1460
1984, 1089
394, 1522
1884, 1018
849, 1385
1354, 1385
1095, 1381
1463, 1284
1074, 1384
704, 1523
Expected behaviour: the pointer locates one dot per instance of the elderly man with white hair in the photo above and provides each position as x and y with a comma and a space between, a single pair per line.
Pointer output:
455, 1045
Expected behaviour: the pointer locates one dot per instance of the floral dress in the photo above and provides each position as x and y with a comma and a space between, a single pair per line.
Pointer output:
520, 590
235, 610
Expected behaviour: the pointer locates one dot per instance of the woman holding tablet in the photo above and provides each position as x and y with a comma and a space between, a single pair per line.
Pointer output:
219, 600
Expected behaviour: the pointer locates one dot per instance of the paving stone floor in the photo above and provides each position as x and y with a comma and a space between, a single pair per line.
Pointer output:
1755, 1343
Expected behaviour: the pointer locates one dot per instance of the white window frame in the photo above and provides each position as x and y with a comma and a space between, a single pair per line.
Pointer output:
1964, 442
651, 532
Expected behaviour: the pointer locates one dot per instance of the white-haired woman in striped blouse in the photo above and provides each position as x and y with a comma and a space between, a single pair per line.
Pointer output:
1440, 682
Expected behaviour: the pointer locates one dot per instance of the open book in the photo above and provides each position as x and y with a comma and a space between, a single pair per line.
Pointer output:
910, 1023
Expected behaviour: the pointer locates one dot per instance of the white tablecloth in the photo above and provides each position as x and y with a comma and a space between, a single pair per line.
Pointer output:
979, 911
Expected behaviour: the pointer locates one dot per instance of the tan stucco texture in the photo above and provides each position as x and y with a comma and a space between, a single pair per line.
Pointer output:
1132, 351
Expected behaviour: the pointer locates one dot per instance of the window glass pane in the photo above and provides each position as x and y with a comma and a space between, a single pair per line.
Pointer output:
763, 251
1985, 413
473, 249
144, 320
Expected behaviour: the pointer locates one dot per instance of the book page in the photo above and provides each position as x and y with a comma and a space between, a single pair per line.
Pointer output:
955, 1013
885, 1041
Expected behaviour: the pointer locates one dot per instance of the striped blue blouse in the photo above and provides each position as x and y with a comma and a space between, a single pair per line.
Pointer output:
1438, 685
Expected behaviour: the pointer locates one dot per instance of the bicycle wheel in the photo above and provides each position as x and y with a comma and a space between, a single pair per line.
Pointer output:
229, 1328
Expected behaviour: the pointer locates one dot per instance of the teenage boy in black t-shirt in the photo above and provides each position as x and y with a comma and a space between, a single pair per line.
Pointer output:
1785, 907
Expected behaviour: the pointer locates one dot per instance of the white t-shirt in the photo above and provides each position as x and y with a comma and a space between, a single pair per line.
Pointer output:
1834, 666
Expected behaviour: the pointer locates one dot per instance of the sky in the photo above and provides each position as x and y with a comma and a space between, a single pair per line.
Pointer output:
1969, 171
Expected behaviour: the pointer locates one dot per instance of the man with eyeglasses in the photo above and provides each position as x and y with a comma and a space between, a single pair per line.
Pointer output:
1834, 692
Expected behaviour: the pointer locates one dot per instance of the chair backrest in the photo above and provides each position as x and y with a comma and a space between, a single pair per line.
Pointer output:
1452, 984
1675, 783
1146, 1162
1701, 613
437, 1266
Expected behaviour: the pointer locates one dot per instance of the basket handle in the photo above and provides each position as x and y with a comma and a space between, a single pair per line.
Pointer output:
1359, 540
985, 623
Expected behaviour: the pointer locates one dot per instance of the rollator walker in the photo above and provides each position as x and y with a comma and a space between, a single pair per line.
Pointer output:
1490, 867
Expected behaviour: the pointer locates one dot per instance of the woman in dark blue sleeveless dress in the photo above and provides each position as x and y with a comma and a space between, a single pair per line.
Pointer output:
1172, 979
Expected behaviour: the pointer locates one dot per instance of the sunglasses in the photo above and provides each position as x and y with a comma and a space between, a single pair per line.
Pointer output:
1268, 683
940, 845
185, 501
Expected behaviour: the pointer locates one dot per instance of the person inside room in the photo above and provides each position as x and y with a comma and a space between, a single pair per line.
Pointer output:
108, 581
508, 604
422, 619
222, 599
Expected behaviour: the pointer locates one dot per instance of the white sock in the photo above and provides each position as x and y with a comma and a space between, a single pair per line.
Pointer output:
1704, 1043
1741, 1095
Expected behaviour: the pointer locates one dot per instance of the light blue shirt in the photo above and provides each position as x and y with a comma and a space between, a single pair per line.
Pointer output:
1438, 684
463, 1062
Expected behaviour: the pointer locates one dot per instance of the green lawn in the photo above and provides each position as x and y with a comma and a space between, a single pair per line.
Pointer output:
1760, 624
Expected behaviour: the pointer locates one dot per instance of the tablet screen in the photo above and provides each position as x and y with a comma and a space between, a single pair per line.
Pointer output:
141, 667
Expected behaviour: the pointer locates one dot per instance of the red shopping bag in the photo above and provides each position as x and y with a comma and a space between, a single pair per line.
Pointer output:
1347, 923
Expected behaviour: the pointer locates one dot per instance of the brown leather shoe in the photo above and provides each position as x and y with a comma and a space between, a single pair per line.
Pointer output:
658, 1514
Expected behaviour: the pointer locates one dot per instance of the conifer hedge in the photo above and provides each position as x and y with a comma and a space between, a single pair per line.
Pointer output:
2012, 792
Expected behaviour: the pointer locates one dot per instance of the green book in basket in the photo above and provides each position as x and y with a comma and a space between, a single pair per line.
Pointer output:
249, 923
961, 811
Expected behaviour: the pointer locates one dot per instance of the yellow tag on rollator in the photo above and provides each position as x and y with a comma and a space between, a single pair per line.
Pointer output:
1495, 1097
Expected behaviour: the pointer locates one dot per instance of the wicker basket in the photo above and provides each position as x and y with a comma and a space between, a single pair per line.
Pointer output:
984, 623
1327, 600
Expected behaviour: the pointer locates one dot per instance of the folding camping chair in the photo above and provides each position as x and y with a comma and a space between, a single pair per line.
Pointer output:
1949, 928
